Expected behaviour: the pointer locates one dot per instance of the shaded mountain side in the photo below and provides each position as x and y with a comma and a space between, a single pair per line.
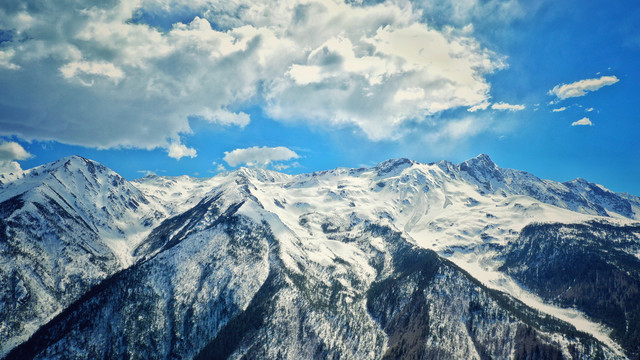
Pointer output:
64, 228
591, 267
224, 291
258, 264
51, 256
577, 195
427, 308
55, 258
165, 307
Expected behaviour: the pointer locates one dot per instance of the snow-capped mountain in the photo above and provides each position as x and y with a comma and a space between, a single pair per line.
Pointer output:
402, 260
64, 227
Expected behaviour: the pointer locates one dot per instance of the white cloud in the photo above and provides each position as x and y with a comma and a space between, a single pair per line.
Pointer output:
481, 106
9, 168
589, 109
178, 151
5, 60
378, 77
224, 117
280, 166
89, 69
582, 122
259, 156
457, 130
580, 88
496, 106
411, 94
219, 167
11, 150
96, 78
560, 109
507, 107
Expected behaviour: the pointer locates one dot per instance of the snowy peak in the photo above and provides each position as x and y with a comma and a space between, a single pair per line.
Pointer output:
96, 196
65, 226
611, 203
74, 173
482, 160
393, 167
357, 250
483, 171
70, 165
198, 249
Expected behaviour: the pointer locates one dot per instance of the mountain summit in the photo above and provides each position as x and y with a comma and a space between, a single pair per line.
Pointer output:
401, 260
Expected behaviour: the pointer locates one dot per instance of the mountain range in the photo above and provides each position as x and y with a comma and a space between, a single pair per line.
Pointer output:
403, 260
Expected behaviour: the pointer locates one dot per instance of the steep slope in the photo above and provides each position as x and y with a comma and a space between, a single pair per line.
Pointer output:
229, 279
594, 267
578, 195
64, 227
466, 212
402, 259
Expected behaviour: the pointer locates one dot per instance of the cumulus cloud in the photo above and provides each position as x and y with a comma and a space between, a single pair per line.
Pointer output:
507, 107
582, 87
378, 77
559, 109
11, 150
95, 74
80, 69
582, 122
259, 156
10, 169
178, 151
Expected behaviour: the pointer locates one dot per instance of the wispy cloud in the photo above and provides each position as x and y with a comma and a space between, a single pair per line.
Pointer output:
502, 106
582, 122
477, 107
219, 167
582, 87
461, 13
259, 156
5, 59
560, 109
507, 107
457, 130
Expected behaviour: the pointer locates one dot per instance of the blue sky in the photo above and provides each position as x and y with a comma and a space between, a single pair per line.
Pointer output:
195, 87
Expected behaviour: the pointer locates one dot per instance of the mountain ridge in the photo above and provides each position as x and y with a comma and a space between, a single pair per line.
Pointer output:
320, 230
